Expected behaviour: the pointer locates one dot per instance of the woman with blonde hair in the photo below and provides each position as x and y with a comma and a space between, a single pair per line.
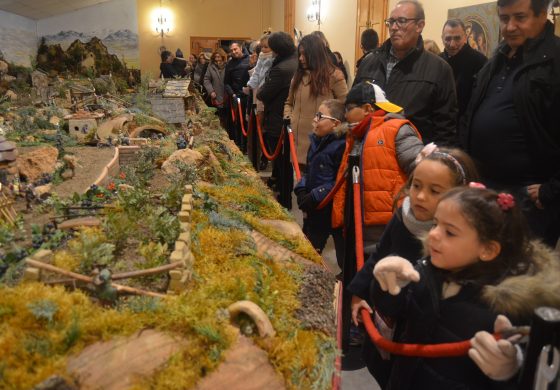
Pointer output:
214, 81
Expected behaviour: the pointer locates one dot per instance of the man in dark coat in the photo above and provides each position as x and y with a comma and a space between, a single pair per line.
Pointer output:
274, 92
369, 40
413, 78
235, 78
511, 126
463, 59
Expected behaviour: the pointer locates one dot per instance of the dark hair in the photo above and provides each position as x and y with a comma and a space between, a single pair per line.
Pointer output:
419, 7
445, 156
282, 44
318, 63
454, 23
507, 227
369, 39
165, 55
538, 6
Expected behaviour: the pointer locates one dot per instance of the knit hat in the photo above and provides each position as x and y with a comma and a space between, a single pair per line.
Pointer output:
368, 92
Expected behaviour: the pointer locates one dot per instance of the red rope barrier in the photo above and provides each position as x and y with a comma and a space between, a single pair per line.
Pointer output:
293, 152
332, 193
459, 348
269, 157
241, 117
232, 111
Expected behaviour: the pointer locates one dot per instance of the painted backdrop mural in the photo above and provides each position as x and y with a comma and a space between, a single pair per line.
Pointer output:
482, 25
114, 23
18, 38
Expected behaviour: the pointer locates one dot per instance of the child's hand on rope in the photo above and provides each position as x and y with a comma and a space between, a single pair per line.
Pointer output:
357, 305
496, 358
393, 273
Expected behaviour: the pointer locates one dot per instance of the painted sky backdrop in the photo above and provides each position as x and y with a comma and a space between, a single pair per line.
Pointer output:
114, 22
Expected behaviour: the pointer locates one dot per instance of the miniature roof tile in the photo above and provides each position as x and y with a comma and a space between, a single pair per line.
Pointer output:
85, 115
8, 150
177, 88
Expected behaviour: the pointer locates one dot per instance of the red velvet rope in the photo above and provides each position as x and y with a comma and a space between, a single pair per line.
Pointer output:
241, 117
460, 348
332, 193
293, 152
269, 157
232, 111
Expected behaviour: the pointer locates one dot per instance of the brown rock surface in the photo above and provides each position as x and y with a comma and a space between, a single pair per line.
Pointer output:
187, 156
119, 364
246, 368
33, 164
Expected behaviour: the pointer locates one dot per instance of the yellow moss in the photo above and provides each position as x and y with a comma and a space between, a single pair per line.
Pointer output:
63, 259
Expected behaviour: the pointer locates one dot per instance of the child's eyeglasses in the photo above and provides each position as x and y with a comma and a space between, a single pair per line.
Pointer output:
320, 116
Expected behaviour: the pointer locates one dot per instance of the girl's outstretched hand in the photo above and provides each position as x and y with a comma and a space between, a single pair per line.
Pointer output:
358, 304
393, 273
496, 358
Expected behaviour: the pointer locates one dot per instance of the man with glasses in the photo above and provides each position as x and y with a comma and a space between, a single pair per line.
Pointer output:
511, 126
463, 59
413, 78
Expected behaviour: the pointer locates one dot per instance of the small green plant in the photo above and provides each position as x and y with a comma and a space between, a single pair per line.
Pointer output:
141, 304
43, 309
92, 249
72, 333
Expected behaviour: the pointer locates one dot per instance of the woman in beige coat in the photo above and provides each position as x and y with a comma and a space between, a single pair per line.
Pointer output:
316, 79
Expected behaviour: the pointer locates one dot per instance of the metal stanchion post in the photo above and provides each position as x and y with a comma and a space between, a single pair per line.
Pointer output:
543, 340
349, 266
253, 138
286, 176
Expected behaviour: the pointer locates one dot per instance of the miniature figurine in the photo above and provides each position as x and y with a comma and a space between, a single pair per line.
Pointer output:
181, 142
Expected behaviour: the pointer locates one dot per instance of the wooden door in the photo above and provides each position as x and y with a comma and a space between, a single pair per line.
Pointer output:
371, 14
204, 44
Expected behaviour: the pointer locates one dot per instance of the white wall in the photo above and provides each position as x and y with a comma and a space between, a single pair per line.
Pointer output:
338, 24
18, 38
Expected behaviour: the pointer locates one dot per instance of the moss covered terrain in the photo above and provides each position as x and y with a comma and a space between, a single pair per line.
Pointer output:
42, 326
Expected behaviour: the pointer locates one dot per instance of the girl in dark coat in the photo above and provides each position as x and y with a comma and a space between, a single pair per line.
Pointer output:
478, 252
323, 160
437, 170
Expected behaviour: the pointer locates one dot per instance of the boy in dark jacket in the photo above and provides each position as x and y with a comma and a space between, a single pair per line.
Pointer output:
323, 160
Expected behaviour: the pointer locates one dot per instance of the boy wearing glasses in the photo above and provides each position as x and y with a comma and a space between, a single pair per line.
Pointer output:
327, 143
412, 78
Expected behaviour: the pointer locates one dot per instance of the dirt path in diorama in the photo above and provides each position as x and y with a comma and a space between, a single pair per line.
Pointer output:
91, 161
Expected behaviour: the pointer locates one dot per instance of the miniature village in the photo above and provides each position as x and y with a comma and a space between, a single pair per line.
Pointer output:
131, 226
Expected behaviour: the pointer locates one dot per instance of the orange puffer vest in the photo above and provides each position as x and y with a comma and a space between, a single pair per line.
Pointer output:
381, 176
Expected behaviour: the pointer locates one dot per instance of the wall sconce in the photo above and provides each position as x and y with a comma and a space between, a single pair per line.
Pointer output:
314, 12
162, 21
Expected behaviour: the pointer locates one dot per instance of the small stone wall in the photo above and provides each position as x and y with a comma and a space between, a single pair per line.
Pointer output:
180, 277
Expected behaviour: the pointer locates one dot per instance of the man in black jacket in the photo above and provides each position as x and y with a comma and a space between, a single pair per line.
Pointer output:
369, 40
511, 126
463, 59
413, 78
236, 76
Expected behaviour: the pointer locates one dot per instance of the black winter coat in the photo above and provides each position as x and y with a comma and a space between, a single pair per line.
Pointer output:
396, 240
465, 64
323, 160
429, 319
422, 84
537, 102
274, 92
236, 75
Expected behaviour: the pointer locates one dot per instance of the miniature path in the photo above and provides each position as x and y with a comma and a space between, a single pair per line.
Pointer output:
91, 162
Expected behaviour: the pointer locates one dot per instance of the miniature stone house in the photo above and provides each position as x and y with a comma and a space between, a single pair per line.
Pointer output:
170, 106
8, 155
82, 93
83, 126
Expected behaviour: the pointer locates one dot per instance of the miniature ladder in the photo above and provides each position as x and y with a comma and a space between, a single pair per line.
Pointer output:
7, 211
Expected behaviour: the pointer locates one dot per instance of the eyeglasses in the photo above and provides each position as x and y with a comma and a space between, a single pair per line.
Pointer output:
320, 116
401, 22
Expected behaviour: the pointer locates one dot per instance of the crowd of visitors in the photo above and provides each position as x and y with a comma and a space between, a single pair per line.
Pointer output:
459, 159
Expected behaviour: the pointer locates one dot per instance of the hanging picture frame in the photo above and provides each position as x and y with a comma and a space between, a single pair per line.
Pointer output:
482, 26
